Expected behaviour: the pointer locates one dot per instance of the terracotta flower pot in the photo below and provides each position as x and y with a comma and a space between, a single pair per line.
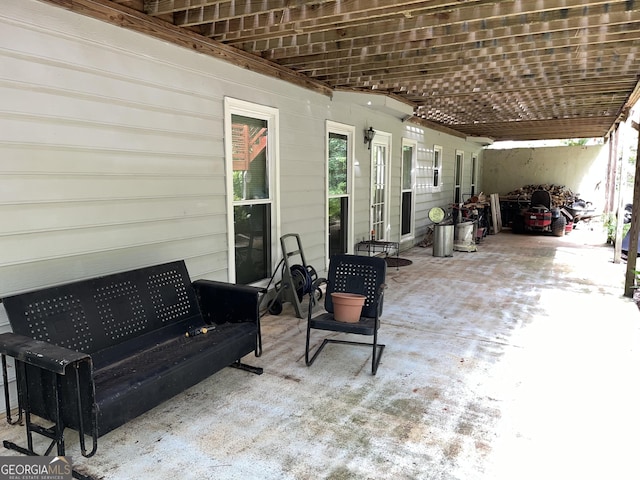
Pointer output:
347, 307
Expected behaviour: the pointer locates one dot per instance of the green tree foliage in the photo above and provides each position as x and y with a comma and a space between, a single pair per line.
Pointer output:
574, 142
337, 165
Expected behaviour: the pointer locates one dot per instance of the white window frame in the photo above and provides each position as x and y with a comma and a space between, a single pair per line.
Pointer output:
349, 131
436, 166
474, 174
407, 142
460, 174
234, 106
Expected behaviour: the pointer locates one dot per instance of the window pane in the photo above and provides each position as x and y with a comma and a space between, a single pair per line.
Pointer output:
250, 169
436, 167
252, 242
406, 212
474, 160
407, 156
338, 208
457, 194
337, 164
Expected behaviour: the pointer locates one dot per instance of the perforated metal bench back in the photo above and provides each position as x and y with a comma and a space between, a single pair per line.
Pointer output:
94, 314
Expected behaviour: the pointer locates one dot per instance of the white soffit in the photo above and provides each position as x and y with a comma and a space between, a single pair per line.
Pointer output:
481, 140
380, 103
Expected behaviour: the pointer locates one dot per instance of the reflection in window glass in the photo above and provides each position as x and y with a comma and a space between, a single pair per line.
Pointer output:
252, 242
252, 205
250, 167
338, 208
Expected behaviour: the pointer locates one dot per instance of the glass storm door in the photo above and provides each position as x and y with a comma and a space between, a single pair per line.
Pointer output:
379, 186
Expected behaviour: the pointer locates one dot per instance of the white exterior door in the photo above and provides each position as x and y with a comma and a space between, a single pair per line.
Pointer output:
380, 163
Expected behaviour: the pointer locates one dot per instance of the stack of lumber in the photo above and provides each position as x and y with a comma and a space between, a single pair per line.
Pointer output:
560, 195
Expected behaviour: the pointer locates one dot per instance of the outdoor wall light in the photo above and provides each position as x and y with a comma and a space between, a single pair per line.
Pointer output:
368, 136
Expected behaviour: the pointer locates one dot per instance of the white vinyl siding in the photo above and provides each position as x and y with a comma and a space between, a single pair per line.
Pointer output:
113, 153
107, 164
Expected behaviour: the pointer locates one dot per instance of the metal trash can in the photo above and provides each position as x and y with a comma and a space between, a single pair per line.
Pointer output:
464, 238
464, 232
443, 240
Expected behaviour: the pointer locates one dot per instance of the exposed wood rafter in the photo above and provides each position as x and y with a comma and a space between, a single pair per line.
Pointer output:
126, 17
514, 69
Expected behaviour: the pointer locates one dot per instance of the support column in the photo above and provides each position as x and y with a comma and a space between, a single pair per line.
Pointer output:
632, 255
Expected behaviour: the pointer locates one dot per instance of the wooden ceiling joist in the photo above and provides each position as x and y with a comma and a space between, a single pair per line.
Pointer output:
303, 50
125, 17
514, 69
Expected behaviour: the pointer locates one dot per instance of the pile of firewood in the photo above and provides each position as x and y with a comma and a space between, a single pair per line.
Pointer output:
560, 195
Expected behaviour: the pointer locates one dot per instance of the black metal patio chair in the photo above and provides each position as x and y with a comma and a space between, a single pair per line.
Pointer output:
350, 274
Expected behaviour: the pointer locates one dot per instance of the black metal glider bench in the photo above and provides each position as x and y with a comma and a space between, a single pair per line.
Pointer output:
94, 354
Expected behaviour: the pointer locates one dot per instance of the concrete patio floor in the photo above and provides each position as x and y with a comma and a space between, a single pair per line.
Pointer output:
519, 361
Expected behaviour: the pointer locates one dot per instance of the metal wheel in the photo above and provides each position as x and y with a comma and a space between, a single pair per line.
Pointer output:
275, 307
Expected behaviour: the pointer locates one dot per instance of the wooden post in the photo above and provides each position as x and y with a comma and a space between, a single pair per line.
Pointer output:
616, 200
612, 171
632, 254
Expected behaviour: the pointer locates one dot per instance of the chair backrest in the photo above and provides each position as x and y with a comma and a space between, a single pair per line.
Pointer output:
357, 274
542, 198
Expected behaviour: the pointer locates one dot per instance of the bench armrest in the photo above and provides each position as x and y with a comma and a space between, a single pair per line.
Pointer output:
222, 302
38, 353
